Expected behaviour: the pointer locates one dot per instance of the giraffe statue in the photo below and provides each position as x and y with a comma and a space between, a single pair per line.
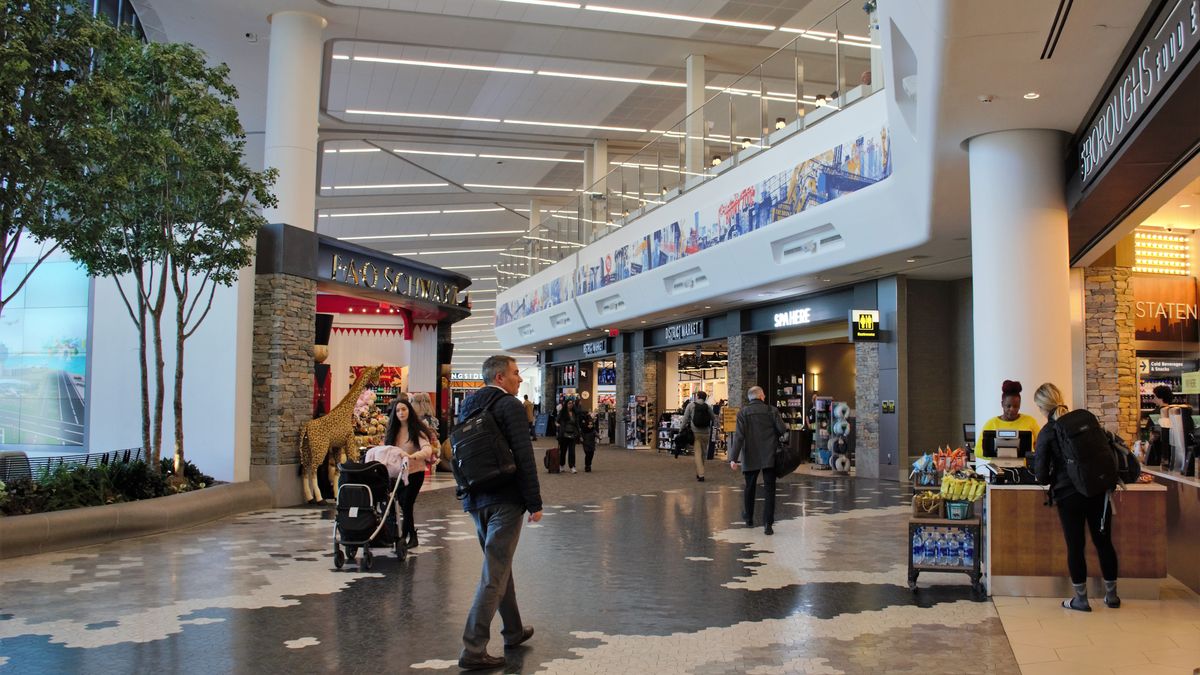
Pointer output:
333, 430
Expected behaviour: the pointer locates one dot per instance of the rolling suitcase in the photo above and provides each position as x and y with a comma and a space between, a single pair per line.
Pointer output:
550, 460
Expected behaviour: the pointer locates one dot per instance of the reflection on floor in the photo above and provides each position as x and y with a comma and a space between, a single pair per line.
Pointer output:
619, 576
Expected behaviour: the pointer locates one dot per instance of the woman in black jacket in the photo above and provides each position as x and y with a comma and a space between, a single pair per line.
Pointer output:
1074, 510
568, 434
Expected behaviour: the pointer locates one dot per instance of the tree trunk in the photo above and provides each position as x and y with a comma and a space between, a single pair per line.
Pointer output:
156, 312
180, 337
145, 372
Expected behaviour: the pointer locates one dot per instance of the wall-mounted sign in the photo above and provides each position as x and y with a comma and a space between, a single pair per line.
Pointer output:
864, 325
688, 330
1153, 367
1191, 383
888, 407
1170, 40
793, 317
1165, 308
595, 348
466, 376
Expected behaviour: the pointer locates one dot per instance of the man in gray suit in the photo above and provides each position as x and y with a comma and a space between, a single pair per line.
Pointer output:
497, 512
755, 439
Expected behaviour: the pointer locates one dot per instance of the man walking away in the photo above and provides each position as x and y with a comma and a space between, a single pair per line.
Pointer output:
755, 438
532, 418
497, 512
699, 416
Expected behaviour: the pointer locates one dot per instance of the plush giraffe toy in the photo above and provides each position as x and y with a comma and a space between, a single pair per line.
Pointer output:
333, 430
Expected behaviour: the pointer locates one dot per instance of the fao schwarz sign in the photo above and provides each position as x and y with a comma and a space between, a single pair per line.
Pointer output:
1171, 40
381, 277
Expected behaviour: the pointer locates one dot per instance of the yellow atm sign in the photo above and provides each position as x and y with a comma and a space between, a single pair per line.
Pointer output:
864, 325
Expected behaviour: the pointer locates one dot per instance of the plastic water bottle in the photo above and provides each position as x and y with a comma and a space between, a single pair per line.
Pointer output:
918, 548
953, 550
968, 549
939, 550
930, 550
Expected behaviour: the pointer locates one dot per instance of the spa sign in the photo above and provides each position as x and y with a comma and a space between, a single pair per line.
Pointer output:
345, 268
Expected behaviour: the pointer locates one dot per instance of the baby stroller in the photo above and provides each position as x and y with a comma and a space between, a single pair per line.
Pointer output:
368, 514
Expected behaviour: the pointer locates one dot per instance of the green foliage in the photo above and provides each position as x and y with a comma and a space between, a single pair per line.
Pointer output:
71, 487
49, 99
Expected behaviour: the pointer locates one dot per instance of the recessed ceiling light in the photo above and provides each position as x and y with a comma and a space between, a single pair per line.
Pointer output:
598, 127
391, 186
679, 17
470, 250
491, 210
534, 159
333, 151
431, 116
382, 213
1029, 96
1185, 206
468, 267
547, 3
612, 78
911, 260
442, 64
518, 187
406, 151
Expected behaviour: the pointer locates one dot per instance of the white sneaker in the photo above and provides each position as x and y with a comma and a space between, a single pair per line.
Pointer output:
573, 470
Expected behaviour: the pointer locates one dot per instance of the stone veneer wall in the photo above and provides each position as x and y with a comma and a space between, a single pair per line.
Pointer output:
282, 368
744, 368
866, 408
624, 366
1111, 351
644, 371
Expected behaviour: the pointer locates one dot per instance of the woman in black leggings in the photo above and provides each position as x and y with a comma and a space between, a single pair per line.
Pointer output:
1075, 511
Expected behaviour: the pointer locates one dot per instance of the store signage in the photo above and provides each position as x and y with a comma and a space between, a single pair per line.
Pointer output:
367, 274
1191, 383
685, 331
595, 347
466, 376
864, 325
1163, 366
1164, 309
794, 317
1171, 39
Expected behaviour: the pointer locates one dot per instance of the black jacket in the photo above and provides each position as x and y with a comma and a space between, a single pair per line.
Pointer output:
510, 417
568, 425
759, 427
1049, 465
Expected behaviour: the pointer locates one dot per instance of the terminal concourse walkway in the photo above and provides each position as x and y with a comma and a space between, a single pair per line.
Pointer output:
636, 568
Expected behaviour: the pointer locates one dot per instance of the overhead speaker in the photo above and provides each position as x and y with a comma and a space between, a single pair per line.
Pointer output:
445, 352
324, 327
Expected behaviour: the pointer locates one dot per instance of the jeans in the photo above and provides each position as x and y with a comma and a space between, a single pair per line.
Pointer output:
566, 456
408, 497
768, 498
1075, 512
700, 448
499, 529
589, 451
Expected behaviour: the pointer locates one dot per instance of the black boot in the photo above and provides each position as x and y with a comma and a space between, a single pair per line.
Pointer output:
411, 541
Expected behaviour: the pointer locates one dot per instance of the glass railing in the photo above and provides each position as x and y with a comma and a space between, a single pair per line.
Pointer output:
827, 67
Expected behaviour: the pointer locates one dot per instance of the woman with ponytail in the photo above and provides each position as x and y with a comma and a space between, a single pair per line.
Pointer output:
1076, 512
1010, 416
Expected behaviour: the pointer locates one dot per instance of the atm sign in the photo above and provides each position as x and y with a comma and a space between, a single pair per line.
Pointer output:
864, 325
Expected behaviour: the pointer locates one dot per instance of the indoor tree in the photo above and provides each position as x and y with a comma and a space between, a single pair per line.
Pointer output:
49, 95
176, 210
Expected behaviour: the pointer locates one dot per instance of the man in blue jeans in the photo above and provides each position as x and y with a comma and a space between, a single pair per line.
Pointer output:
497, 512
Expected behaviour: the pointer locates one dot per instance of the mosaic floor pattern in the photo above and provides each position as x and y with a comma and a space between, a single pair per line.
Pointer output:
663, 581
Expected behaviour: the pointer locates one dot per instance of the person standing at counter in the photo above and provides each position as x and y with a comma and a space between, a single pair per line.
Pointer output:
1074, 510
1011, 416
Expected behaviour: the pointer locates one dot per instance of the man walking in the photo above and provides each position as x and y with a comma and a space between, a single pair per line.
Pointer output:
756, 436
532, 418
699, 416
497, 512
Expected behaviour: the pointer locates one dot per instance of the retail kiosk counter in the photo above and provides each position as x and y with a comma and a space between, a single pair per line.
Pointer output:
1183, 526
1026, 555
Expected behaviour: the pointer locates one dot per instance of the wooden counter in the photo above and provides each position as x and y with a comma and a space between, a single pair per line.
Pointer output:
1183, 526
1026, 554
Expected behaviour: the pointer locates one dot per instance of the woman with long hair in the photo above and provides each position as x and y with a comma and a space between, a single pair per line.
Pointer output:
568, 433
1076, 512
406, 431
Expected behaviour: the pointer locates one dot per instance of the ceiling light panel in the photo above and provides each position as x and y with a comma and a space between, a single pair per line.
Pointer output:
678, 17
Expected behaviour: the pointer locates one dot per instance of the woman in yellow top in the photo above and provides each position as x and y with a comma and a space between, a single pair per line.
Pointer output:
1011, 417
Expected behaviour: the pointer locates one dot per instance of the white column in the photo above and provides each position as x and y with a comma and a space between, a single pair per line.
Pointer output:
293, 94
423, 364
694, 127
534, 249
1020, 266
596, 209
600, 164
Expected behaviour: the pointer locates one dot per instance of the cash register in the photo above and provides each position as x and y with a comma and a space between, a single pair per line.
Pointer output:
1007, 448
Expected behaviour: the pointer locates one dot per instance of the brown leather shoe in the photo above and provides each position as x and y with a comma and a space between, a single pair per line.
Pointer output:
483, 662
526, 633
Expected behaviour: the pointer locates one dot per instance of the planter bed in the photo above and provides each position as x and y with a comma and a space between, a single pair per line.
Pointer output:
60, 530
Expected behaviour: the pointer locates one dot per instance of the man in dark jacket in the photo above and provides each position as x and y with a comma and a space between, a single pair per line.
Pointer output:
497, 512
755, 439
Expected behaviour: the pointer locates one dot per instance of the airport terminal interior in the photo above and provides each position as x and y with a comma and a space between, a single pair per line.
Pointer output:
895, 222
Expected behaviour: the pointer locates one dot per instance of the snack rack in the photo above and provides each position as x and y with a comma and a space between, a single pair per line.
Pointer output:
935, 525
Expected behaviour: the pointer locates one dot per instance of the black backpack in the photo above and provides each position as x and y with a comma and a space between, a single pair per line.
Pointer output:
1088, 455
1128, 467
480, 455
702, 415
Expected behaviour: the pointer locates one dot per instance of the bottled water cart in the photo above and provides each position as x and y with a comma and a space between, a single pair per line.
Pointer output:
942, 545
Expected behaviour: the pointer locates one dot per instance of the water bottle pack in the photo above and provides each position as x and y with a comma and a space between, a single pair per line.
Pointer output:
950, 548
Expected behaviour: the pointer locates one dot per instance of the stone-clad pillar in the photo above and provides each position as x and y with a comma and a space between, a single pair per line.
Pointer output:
744, 368
645, 369
282, 371
1111, 352
866, 408
624, 365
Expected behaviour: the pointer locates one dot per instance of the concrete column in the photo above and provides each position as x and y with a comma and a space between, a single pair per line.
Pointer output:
534, 247
1020, 265
694, 127
293, 95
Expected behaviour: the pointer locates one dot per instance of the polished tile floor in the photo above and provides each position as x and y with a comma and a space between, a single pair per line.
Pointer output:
636, 568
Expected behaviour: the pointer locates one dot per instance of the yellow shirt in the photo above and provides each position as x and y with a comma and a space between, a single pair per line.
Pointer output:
1022, 423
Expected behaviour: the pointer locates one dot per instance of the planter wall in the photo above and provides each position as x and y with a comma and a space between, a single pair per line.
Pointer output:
60, 530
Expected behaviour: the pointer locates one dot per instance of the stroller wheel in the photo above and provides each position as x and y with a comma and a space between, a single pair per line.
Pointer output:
367, 559
339, 559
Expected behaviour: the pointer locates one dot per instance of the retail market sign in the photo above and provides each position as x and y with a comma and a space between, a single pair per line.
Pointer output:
595, 348
682, 332
1171, 39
